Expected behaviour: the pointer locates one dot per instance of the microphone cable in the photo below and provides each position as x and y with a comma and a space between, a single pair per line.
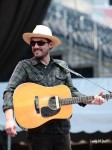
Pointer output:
79, 75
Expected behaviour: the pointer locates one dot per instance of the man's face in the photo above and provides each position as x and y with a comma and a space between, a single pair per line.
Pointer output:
40, 47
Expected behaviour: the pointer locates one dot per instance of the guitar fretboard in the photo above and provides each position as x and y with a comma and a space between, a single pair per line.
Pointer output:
82, 99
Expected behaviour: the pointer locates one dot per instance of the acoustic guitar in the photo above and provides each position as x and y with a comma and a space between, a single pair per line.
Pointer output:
35, 104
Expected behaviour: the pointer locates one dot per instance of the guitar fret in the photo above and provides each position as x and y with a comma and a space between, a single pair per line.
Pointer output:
107, 96
81, 99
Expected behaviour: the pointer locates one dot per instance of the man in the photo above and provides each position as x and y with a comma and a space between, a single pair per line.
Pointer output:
46, 71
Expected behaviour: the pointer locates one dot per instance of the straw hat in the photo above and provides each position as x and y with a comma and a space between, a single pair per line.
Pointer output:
41, 31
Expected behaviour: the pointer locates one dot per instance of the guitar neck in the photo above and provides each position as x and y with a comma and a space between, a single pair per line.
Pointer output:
82, 99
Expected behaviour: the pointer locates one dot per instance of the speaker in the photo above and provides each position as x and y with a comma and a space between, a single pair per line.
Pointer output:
110, 2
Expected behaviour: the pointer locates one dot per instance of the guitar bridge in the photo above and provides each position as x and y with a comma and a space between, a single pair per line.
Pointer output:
37, 104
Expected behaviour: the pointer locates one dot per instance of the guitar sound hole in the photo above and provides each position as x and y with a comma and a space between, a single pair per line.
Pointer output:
54, 102
47, 112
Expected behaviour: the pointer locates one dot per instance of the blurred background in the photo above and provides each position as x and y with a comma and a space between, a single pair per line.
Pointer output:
85, 28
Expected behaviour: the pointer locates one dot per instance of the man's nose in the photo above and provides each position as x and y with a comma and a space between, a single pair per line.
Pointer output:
36, 45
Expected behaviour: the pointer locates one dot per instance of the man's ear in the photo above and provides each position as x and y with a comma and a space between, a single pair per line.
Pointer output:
51, 45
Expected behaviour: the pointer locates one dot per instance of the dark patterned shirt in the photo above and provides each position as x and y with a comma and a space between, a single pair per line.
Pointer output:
32, 70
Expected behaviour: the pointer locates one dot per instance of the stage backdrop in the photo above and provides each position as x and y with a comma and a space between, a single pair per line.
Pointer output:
17, 17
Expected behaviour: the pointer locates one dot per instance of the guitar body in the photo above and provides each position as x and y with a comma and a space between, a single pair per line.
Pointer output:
31, 114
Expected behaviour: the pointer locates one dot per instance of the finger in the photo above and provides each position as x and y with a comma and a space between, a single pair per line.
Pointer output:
8, 131
101, 93
14, 130
11, 131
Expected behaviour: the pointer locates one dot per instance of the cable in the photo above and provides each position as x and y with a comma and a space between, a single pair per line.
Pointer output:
79, 75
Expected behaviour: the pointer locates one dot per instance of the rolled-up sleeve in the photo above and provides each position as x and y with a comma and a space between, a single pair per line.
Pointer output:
18, 77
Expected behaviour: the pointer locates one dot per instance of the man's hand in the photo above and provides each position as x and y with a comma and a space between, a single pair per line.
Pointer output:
11, 128
10, 124
98, 100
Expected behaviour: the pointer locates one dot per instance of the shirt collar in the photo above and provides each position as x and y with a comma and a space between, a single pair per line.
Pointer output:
34, 61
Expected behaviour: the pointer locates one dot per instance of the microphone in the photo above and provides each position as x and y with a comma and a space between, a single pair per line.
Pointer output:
79, 75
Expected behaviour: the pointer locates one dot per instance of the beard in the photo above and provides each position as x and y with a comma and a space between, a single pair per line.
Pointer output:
39, 53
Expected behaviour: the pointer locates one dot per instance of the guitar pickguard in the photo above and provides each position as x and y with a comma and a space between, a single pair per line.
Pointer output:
47, 112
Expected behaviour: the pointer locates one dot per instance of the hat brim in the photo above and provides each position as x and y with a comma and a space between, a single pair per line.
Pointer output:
27, 38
